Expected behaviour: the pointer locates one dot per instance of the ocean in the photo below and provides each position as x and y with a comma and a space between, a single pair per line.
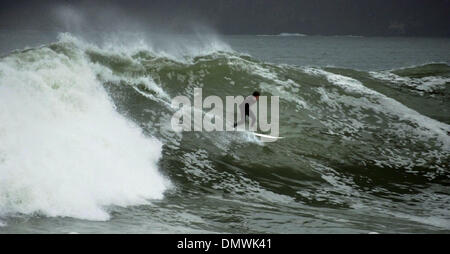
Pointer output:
86, 144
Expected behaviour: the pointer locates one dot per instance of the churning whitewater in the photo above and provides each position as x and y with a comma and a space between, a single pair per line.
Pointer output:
65, 150
85, 136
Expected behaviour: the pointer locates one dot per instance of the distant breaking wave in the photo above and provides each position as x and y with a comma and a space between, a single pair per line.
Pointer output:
303, 35
285, 34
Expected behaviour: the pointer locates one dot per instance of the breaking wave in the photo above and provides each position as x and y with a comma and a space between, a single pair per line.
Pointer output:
85, 127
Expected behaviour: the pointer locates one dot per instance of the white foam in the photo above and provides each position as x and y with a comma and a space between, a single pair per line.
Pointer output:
106, 74
425, 84
64, 149
429, 127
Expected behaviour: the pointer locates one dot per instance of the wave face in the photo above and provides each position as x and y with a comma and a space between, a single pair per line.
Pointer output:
85, 128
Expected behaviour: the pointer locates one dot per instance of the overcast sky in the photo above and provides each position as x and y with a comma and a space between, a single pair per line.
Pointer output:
325, 17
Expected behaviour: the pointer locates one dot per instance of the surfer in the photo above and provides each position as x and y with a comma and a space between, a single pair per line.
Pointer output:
244, 107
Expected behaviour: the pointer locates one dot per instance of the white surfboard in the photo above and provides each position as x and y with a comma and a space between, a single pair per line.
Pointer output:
265, 136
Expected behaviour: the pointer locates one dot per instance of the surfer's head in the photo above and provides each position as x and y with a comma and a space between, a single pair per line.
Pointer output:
256, 94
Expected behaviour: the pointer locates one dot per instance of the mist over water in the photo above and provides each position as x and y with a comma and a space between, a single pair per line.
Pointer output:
86, 143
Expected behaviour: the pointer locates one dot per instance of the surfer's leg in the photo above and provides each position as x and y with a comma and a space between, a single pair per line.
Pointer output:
240, 121
252, 118
242, 118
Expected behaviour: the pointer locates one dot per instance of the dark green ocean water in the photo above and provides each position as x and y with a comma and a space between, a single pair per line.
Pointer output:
86, 143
